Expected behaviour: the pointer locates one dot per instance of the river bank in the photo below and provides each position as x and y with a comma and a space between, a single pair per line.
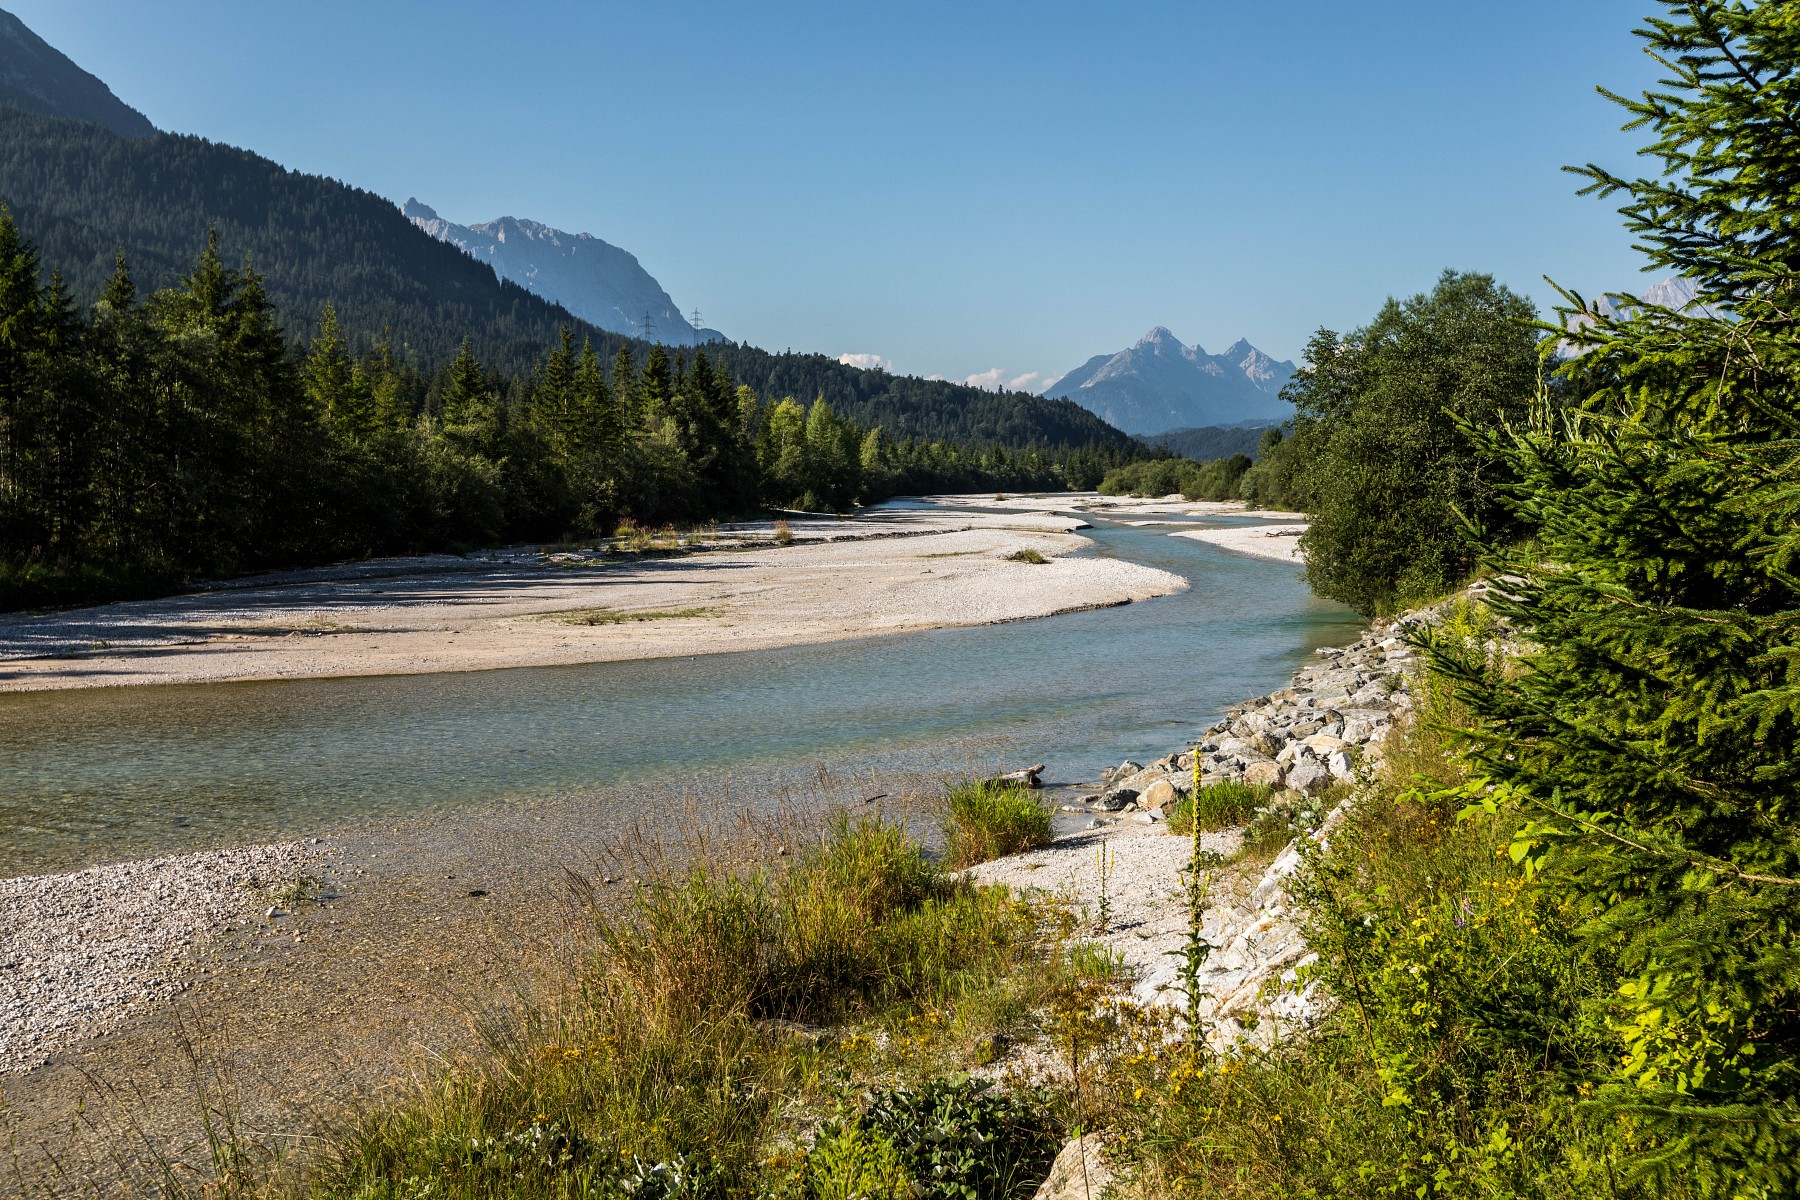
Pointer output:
401, 942
888, 571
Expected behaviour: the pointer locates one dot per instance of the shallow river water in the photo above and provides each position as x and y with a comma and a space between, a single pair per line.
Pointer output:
107, 775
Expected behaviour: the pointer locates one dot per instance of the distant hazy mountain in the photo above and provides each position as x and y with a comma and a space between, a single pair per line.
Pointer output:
1160, 384
595, 280
39, 78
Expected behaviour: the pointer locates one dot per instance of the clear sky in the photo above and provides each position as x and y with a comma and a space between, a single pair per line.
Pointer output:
960, 188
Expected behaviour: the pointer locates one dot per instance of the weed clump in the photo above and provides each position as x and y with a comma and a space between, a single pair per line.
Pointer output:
986, 820
1027, 555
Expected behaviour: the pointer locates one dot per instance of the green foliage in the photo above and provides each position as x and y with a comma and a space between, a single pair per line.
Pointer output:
1401, 504
849, 1161
1650, 738
986, 820
1030, 555
960, 1139
1216, 480
1455, 1060
1267, 481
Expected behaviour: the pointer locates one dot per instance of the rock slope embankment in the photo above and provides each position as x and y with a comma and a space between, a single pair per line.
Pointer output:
1327, 726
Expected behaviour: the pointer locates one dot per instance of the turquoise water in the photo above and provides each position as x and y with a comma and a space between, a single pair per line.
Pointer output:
113, 774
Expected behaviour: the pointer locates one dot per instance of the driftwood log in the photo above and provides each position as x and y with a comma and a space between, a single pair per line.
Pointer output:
1027, 776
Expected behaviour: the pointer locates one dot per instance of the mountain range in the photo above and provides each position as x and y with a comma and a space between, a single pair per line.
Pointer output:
1159, 384
86, 177
595, 280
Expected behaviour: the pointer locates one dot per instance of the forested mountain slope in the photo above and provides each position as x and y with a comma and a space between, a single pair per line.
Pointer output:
86, 193
37, 77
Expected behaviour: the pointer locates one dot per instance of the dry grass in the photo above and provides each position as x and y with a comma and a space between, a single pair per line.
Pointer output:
608, 616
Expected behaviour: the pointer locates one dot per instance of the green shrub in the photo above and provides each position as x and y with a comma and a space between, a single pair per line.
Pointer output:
848, 1161
987, 820
1444, 1071
1027, 555
960, 1139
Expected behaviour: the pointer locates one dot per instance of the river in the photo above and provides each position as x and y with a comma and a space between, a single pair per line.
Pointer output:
112, 774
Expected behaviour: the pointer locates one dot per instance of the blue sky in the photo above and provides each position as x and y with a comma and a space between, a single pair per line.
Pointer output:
997, 190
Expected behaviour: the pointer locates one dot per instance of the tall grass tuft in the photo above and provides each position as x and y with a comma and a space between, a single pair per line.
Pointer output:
666, 1072
986, 820
1218, 806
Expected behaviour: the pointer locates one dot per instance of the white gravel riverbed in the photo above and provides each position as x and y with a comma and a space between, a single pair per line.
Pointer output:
80, 950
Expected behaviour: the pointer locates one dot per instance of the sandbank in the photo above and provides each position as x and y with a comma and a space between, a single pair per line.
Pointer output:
887, 571
1278, 542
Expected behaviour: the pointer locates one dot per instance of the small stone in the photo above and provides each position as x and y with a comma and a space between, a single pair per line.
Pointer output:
273, 913
1116, 800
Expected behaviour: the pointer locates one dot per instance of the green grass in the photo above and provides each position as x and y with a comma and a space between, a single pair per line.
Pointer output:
1223, 805
669, 1062
986, 820
1027, 555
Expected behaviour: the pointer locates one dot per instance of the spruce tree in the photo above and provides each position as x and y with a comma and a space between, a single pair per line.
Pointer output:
1651, 732
467, 407
334, 387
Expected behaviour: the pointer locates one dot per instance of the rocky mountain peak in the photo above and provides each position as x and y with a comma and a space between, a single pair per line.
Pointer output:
593, 279
1159, 384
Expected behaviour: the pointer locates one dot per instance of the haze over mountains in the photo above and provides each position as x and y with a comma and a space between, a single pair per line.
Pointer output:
1160, 384
595, 280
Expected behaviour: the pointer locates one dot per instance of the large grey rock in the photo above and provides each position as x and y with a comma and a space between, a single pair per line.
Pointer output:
1267, 742
1116, 800
1309, 777
1235, 747
1339, 764
1079, 1172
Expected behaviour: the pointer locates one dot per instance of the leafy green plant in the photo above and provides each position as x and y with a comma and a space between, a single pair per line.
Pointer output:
985, 820
850, 1161
1029, 554
962, 1139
